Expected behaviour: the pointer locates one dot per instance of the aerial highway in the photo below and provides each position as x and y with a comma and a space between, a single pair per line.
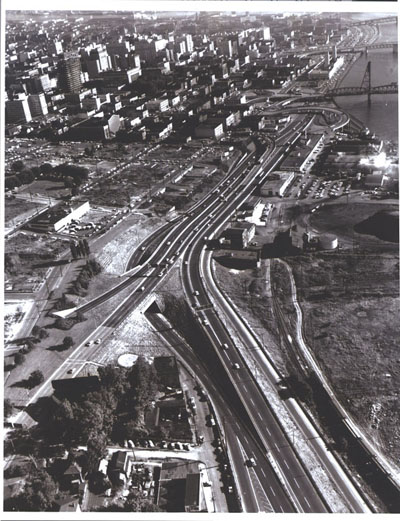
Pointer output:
238, 436
295, 479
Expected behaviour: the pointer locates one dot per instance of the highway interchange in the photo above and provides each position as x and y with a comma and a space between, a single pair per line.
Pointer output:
279, 481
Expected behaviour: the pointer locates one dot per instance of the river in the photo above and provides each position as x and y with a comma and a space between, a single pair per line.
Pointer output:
381, 117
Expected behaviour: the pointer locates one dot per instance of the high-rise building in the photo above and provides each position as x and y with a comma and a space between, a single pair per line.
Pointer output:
69, 70
17, 111
37, 104
189, 43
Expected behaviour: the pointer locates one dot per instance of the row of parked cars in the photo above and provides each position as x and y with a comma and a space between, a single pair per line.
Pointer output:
149, 444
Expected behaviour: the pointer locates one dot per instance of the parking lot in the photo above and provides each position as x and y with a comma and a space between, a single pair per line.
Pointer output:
311, 187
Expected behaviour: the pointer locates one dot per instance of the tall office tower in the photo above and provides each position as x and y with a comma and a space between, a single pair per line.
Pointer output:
266, 33
69, 74
37, 104
189, 43
334, 53
17, 111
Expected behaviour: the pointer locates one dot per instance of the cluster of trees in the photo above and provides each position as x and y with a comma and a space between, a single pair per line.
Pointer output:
38, 495
74, 173
116, 411
134, 502
8, 408
21, 177
79, 248
88, 271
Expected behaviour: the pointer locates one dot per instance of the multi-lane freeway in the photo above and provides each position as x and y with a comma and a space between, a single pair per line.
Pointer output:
185, 237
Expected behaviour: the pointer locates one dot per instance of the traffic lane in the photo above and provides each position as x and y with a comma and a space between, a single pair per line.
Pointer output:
234, 426
273, 435
282, 452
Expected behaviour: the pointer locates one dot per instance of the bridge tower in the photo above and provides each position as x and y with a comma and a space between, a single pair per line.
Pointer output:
366, 81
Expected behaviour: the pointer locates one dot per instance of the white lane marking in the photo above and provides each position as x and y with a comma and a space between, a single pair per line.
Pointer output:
263, 473
237, 425
285, 462
244, 436
272, 490
259, 414
268, 431
280, 506
298, 486
277, 448
251, 399
307, 501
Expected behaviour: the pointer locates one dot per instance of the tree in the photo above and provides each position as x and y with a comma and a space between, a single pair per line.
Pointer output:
136, 502
19, 358
74, 251
68, 342
25, 176
90, 416
143, 380
39, 493
8, 408
46, 168
95, 266
96, 449
36, 378
39, 332
69, 182
17, 166
86, 247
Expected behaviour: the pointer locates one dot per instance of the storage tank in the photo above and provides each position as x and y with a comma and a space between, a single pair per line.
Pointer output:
328, 241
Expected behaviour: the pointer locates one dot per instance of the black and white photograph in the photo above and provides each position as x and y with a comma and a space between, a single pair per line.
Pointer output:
201, 259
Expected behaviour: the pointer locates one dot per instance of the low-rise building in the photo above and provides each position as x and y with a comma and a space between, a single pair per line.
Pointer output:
239, 234
209, 130
277, 184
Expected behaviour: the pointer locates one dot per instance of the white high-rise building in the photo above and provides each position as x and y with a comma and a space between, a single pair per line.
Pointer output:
37, 105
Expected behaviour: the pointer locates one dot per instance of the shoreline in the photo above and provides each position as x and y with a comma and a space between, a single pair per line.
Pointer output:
346, 70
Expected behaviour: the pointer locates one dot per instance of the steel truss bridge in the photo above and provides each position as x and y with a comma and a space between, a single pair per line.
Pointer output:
365, 88
366, 48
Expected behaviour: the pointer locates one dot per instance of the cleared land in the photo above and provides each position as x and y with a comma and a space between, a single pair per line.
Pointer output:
351, 310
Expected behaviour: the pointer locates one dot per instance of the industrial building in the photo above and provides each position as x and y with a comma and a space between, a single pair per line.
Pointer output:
277, 184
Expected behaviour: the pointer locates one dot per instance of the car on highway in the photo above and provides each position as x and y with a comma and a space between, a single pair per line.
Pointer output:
97, 341
225, 346
251, 462
89, 343
196, 293
236, 365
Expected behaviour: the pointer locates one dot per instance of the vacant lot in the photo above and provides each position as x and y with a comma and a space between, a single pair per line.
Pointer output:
19, 209
28, 257
351, 310
47, 188
340, 219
